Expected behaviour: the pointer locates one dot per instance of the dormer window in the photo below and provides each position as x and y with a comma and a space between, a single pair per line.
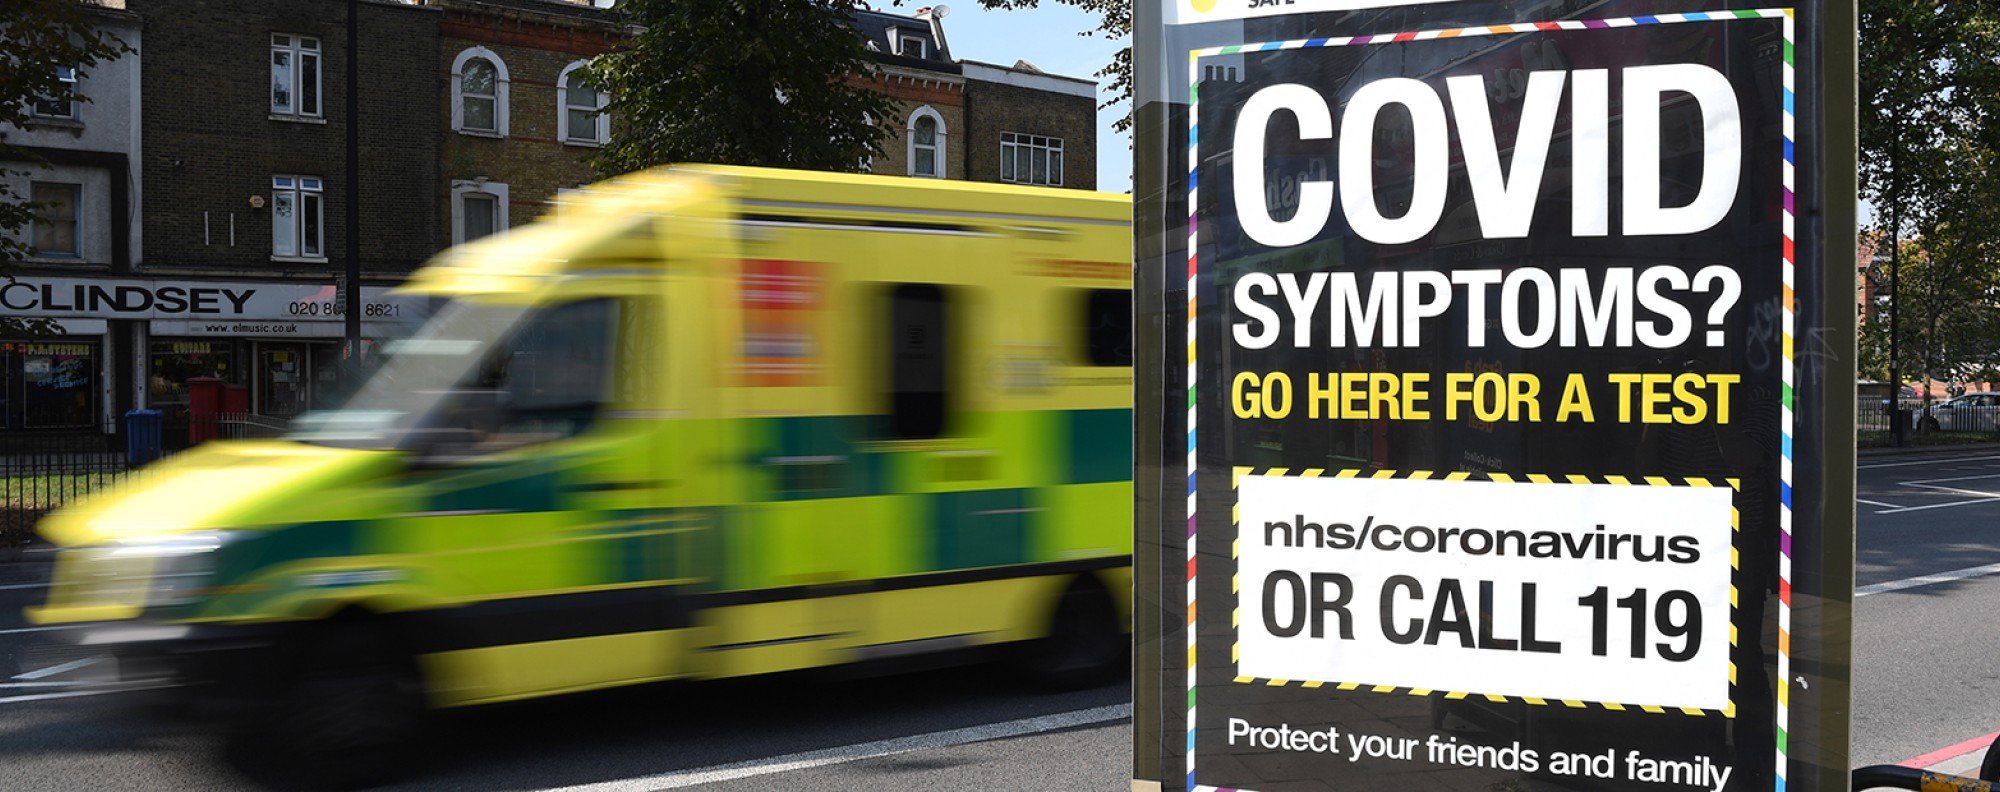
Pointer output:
910, 46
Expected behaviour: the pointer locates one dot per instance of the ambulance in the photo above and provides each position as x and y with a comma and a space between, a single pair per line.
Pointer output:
702, 422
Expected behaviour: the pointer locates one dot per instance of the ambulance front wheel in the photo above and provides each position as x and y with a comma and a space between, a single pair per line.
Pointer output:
1085, 645
352, 710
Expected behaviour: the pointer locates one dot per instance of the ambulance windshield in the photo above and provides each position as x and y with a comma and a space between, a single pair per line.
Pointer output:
479, 378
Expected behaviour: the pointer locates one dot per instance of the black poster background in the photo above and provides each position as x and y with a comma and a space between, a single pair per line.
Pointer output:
1750, 53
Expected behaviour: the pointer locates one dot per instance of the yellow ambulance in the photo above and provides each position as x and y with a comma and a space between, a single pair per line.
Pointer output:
702, 422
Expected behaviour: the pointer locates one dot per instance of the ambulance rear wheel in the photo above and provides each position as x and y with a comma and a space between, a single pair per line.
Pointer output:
1085, 645
352, 713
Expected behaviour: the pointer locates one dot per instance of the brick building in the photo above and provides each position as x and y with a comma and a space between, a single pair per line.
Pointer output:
85, 147
517, 125
242, 146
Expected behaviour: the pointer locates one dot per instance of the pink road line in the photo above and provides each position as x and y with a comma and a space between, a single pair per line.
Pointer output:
1942, 755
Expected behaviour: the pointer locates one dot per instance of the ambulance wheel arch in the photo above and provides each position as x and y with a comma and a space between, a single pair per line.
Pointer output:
1084, 639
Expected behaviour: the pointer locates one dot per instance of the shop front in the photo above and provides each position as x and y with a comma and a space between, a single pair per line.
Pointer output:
276, 346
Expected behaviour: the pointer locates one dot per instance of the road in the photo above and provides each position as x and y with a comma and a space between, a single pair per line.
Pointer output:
1924, 669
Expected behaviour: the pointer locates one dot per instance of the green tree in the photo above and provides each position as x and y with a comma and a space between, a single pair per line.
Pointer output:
1929, 93
782, 83
36, 38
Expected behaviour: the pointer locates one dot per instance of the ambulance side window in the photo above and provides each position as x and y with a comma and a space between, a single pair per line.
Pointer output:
1107, 327
919, 364
550, 378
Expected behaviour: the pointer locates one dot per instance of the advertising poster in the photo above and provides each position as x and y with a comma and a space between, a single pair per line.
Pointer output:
1505, 386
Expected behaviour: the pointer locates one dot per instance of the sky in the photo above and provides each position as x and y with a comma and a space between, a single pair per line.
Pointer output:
1046, 37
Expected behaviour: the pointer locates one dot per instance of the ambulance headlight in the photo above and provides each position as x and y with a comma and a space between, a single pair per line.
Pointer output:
181, 563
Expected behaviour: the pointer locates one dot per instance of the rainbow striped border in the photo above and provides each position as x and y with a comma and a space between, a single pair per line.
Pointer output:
1786, 426
1735, 563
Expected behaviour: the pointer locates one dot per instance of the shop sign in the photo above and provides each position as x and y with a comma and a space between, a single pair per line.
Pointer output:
1182, 12
202, 307
1499, 339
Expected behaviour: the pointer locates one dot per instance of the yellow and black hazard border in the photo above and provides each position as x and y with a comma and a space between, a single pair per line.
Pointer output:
1236, 582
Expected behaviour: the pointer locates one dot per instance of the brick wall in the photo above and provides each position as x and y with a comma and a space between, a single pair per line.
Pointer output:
993, 108
210, 143
530, 160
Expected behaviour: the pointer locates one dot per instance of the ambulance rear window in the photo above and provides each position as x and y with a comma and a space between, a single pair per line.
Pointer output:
1107, 326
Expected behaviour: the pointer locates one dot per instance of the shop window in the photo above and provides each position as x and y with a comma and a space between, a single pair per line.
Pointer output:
927, 143
919, 361
479, 93
61, 103
282, 385
58, 385
295, 76
1031, 159
298, 217
583, 120
172, 364
56, 219
1107, 323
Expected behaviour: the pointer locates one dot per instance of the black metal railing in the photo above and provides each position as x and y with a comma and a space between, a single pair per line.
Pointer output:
41, 471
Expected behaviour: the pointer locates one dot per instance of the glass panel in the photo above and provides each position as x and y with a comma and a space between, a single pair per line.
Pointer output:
581, 95
582, 124
1108, 327
478, 79
310, 217
919, 364
284, 224
309, 44
280, 40
1040, 163
925, 132
479, 113
1007, 162
56, 218
309, 84
58, 380
281, 377
926, 164
281, 81
1056, 167
479, 215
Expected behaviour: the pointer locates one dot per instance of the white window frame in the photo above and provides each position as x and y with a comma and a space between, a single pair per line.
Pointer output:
300, 48
68, 77
910, 136
299, 187
1024, 143
601, 128
499, 92
34, 226
904, 37
463, 187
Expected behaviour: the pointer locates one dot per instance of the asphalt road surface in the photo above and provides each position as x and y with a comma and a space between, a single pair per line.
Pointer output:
1927, 669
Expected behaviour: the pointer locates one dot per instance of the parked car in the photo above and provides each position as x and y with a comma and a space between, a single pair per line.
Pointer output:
1973, 412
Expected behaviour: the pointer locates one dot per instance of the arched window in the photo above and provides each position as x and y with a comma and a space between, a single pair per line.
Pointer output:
582, 120
479, 93
927, 143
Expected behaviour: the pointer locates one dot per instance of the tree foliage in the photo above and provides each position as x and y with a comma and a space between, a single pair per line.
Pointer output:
1930, 149
781, 83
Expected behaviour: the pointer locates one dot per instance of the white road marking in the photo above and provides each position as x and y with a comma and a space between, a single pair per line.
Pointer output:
1951, 478
62, 668
1926, 580
1877, 503
1949, 460
46, 628
95, 691
1938, 506
23, 586
859, 752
